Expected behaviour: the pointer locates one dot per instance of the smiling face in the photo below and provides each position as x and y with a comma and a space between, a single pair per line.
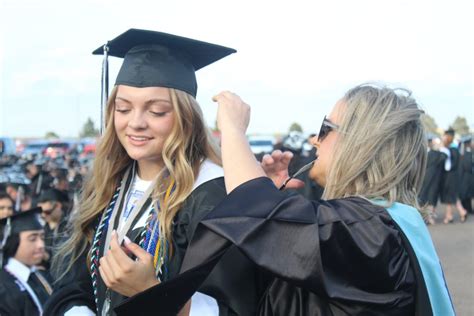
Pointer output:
325, 147
143, 120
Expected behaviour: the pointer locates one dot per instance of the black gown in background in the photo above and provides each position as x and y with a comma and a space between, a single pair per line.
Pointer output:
14, 298
450, 185
337, 257
466, 192
431, 188
76, 288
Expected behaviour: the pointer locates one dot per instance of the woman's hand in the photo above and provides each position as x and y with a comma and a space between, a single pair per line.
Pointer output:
124, 275
276, 168
233, 113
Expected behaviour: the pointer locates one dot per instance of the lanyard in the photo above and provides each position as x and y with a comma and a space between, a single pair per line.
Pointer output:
118, 208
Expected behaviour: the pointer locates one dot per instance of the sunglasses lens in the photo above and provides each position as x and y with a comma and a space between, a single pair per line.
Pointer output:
323, 132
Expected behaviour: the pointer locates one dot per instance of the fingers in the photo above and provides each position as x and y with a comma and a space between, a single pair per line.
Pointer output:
267, 160
286, 157
276, 154
106, 273
117, 254
140, 253
224, 95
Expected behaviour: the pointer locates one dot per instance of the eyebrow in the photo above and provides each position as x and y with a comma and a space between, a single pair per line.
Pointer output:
149, 102
35, 234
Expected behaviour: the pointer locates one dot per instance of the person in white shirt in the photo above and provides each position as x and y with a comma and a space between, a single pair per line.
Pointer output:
23, 288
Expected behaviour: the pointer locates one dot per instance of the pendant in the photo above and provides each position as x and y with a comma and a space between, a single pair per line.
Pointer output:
106, 305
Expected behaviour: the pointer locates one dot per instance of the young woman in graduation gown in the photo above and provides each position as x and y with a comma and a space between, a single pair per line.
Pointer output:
361, 250
156, 174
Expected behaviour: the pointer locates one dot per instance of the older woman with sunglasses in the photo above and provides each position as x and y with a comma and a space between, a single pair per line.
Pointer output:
361, 250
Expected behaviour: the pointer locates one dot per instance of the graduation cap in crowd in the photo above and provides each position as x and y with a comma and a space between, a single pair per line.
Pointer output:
449, 131
52, 194
17, 223
156, 59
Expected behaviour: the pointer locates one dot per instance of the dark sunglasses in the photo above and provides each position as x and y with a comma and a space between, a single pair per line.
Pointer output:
326, 127
49, 211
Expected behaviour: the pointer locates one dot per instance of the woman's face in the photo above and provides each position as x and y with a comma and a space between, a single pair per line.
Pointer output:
325, 147
143, 120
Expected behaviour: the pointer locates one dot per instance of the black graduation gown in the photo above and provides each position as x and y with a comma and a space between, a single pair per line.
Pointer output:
451, 179
467, 176
14, 299
76, 288
338, 257
430, 190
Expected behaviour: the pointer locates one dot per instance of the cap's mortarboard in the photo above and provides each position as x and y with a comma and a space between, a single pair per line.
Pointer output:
17, 223
53, 195
449, 131
156, 59
23, 221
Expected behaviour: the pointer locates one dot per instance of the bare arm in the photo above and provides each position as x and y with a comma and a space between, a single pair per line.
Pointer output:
239, 162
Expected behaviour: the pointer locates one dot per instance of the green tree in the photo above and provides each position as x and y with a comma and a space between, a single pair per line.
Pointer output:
89, 130
460, 125
295, 127
429, 124
51, 134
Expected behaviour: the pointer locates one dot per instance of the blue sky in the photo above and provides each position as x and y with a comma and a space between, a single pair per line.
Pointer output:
295, 58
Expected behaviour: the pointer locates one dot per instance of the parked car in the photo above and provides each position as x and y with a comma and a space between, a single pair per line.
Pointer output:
261, 144
57, 148
7, 146
35, 148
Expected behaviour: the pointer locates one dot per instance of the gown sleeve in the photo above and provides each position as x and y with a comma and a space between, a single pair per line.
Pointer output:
347, 250
234, 292
74, 289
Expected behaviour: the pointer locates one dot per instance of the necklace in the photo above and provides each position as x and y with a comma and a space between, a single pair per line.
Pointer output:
151, 238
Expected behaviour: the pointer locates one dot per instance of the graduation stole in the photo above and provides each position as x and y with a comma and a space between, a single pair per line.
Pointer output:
151, 238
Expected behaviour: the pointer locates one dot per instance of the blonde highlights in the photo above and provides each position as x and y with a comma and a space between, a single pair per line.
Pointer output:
381, 149
188, 144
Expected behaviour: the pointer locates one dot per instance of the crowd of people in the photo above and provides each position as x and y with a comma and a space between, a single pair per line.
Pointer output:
167, 221
449, 177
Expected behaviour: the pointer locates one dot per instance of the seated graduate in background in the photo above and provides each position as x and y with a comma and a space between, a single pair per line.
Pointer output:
363, 249
23, 287
156, 174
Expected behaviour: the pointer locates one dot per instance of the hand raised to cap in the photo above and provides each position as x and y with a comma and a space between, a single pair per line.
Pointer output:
232, 113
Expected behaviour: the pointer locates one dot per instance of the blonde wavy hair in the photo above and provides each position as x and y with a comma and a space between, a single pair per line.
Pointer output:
381, 149
188, 144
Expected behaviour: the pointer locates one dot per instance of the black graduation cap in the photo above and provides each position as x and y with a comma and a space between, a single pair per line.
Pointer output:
53, 195
449, 131
16, 223
23, 221
156, 59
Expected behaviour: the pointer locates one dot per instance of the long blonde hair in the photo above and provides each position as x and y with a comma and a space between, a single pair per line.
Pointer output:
381, 149
188, 144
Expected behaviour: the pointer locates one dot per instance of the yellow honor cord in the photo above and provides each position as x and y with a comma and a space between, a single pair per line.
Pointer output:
157, 249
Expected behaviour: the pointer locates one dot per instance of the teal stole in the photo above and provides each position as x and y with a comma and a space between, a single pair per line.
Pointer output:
412, 225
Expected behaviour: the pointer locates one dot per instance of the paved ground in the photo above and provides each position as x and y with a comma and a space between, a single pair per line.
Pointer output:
455, 246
